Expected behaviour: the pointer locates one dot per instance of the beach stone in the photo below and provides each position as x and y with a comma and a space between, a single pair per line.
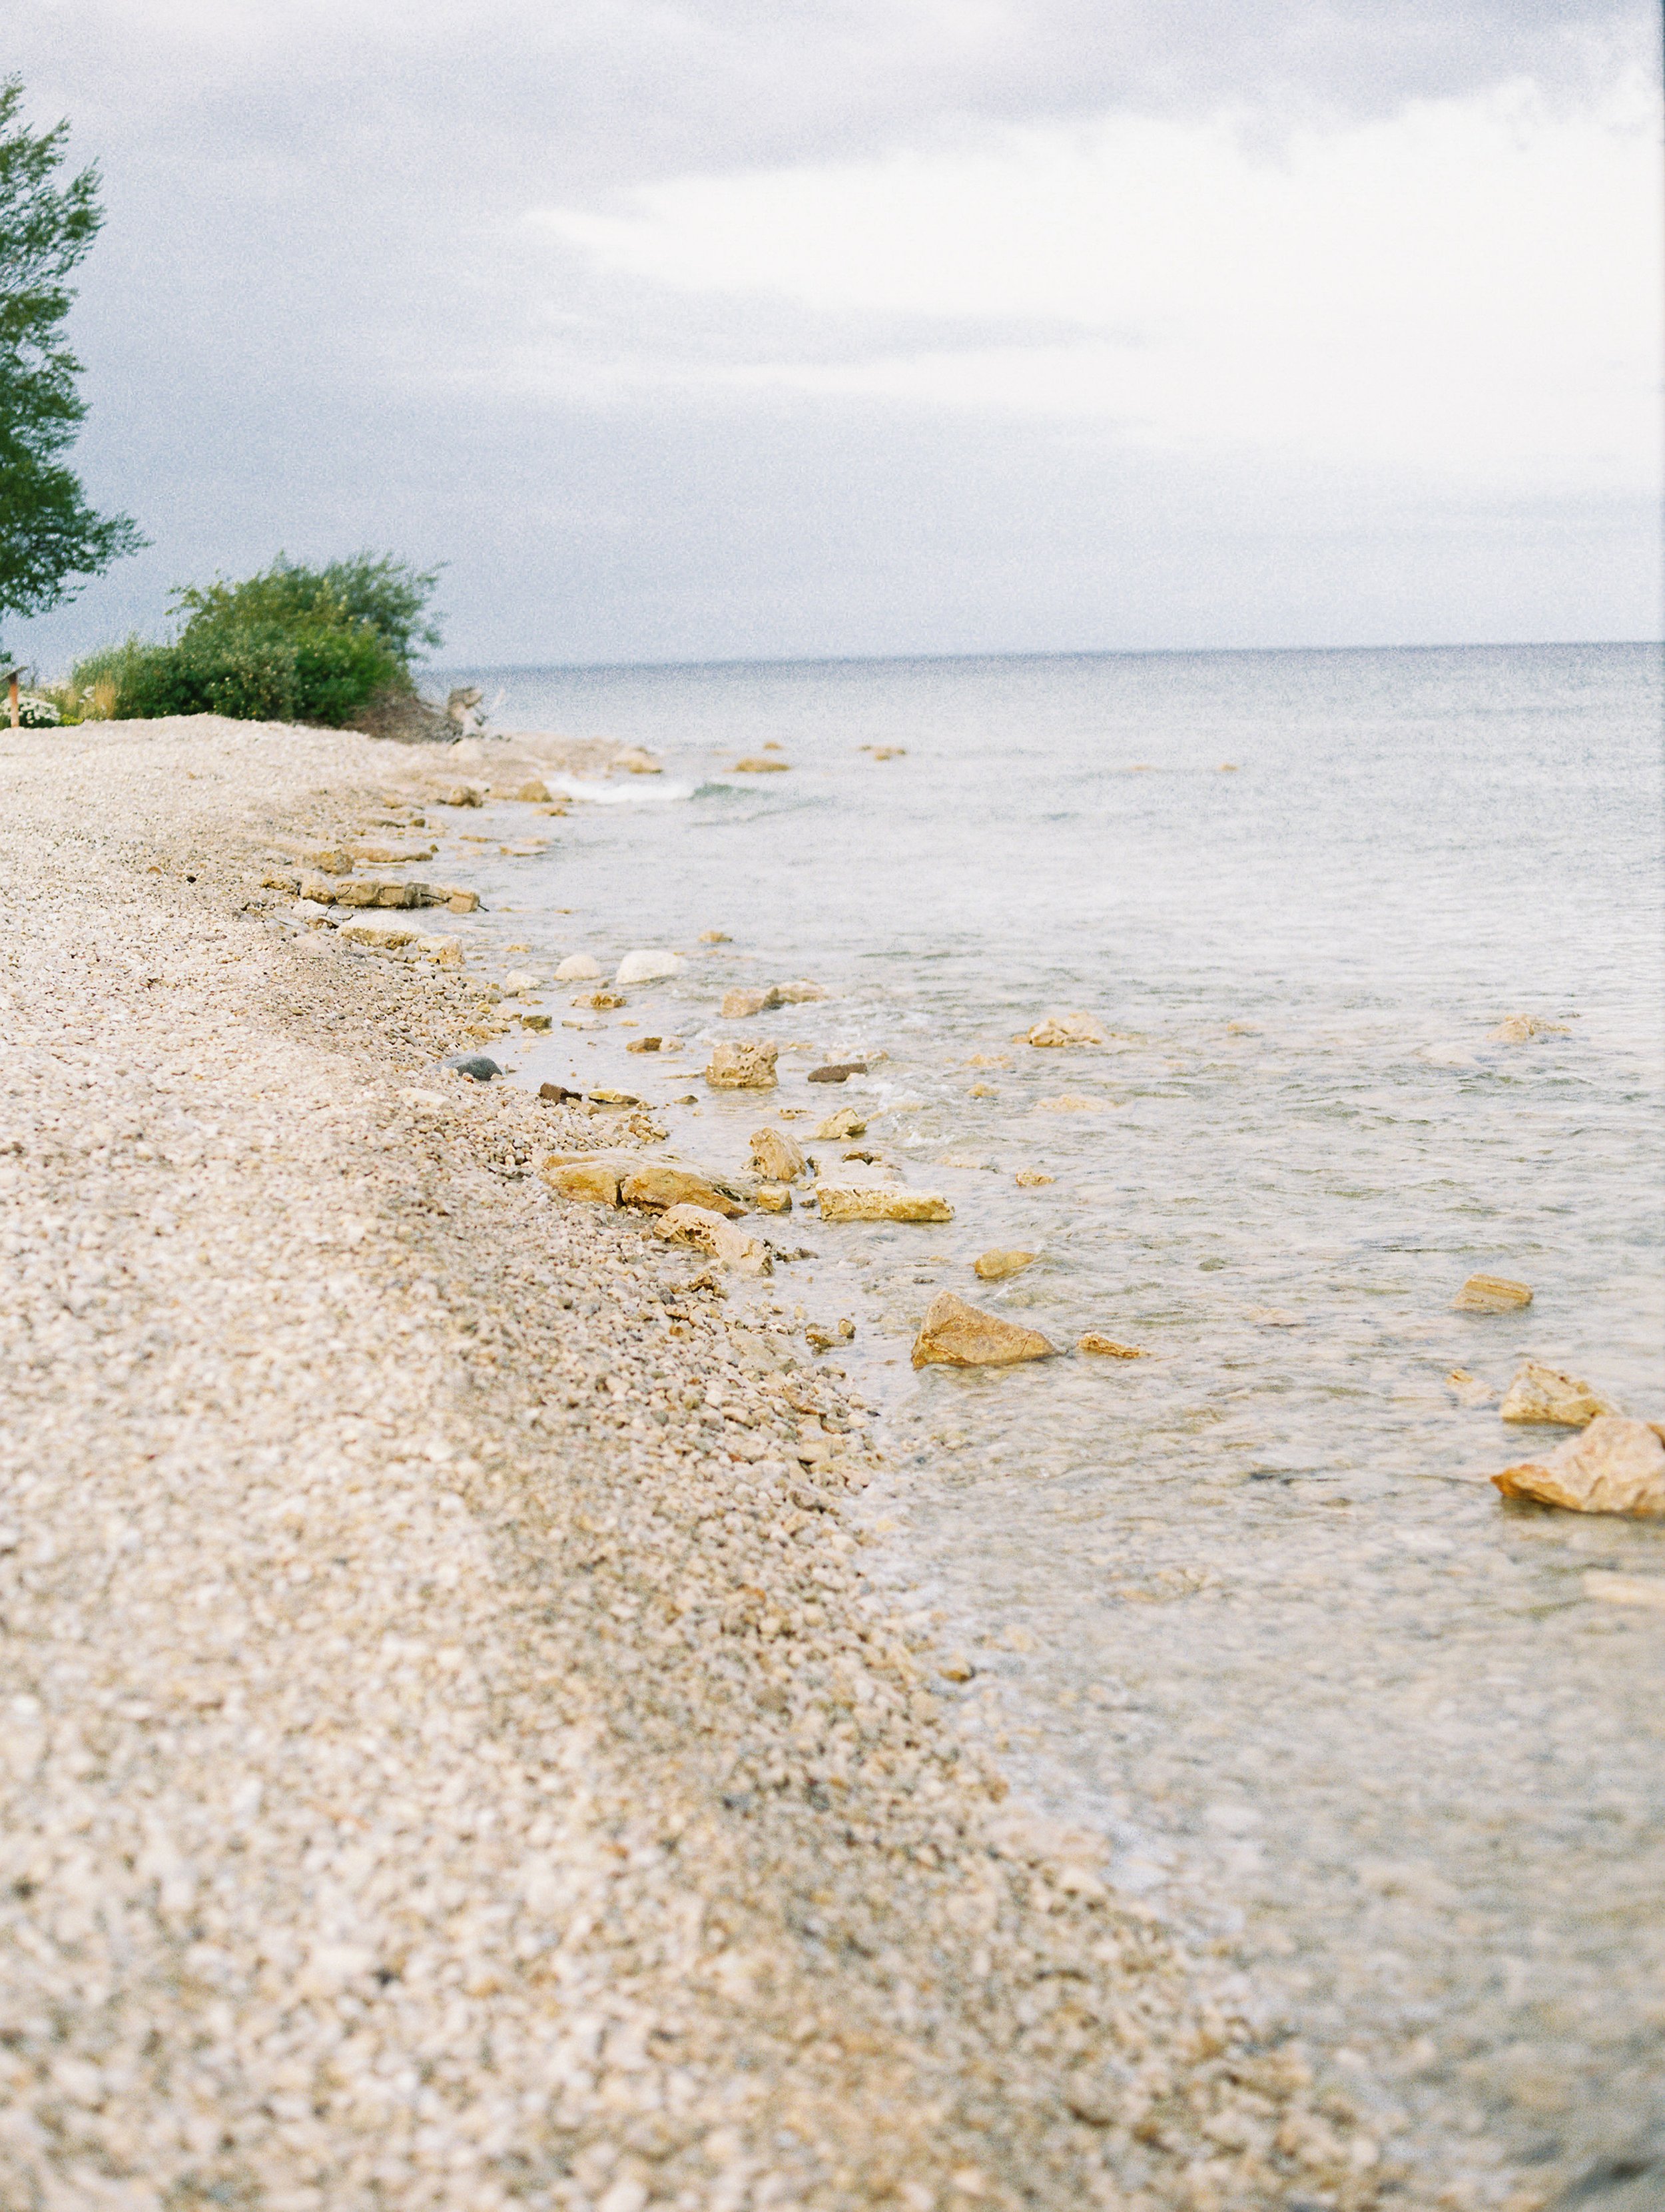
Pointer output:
739, 1005
1491, 1294
596, 1178
742, 1067
1617, 1466
662, 1183
648, 966
443, 951
383, 936
461, 794
533, 793
1521, 1028
771, 1197
1469, 1390
955, 1334
1031, 1179
709, 1232
838, 1071
479, 1067
800, 994
1108, 1348
773, 1154
537, 1022
846, 1122
1544, 1393
867, 1201
520, 979
600, 1002
458, 900
1067, 1029
556, 1094
358, 894
636, 760
759, 764
320, 889
995, 1265
645, 1044
578, 968
715, 937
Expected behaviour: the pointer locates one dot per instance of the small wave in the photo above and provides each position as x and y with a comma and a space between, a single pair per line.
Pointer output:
640, 790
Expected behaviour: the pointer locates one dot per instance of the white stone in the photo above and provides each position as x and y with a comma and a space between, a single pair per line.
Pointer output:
648, 966
578, 968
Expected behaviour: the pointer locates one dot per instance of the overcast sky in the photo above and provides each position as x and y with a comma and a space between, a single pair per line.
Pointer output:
759, 328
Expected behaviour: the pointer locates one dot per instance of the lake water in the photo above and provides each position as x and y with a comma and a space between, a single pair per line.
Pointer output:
1246, 1606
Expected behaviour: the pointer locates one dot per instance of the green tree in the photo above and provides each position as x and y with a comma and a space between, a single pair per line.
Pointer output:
49, 535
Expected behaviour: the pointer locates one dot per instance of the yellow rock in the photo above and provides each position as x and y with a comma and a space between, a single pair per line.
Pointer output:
879, 1201
1521, 1028
715, 937
771, 1198
1617, 1466
1544, 1393
660, 1184
1491, 1294
534, 793
1067, 1029
462, 902
734, 1247
846, 1122
739, 1004
995, 1265
743, 1066
1093, 1341
596, 1178
600, 1001
1031, 1179
754, 764
955, 1334
775, 1155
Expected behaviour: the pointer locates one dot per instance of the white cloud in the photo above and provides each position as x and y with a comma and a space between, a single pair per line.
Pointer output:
1464, 290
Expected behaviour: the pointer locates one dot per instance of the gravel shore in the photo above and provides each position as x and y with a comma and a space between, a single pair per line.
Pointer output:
450, 1758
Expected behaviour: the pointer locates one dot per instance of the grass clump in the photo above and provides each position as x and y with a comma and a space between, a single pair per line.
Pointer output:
292, 644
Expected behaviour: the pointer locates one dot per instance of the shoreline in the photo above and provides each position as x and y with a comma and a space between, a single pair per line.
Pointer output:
441, 1771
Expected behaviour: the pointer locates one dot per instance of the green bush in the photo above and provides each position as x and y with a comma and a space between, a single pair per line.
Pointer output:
290, 645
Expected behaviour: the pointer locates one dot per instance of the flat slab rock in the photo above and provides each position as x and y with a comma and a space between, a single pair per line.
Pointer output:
880, 1201
1545, 1394
955, 1334
1617, 1466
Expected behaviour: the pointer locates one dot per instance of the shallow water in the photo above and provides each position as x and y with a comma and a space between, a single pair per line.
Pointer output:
1246, 1606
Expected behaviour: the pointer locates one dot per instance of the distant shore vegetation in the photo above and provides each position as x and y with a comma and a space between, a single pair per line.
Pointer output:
292, 644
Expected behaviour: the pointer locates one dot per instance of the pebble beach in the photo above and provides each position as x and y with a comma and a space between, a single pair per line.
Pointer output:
453, 1754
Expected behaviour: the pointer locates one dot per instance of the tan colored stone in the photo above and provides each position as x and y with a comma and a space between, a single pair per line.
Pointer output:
955, 1334
661, 1183
462, 902
320, 889
600, 1002
880, 1201
739, 1005
1625, 1589
384, 936
773, 1154
742, 1067
461, 794
846, 1122
1491, 1294
1617, 1466
1108, 1348
709, 1232
1032, 1179
995, 1265
756, 764
533, 793
634, 760
1469, 1390
1544, 1393
1067, 1029
1521, 1028
800, 994
771, 1197
983, 1091
596, 1178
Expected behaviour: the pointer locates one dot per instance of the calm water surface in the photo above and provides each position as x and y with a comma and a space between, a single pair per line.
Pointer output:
1246, 1607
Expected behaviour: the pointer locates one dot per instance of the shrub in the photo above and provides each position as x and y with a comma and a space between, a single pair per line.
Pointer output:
290, 645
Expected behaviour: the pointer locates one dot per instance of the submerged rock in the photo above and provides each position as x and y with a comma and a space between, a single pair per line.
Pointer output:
636, 760
868, 1201
838, 1071
955, 1334
1617, 1466
776, 1156
739, 1005
1521, 1028
709, 1232
648, 966
1031, 1179
1544, 1393
756, 765
601, 1002
1067, 1029
578, 968
1108, 1348
1491, 1294
743, 1066
993, 1266
1469, 1390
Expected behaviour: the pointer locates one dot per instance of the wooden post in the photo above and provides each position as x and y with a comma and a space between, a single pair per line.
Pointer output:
16, 711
